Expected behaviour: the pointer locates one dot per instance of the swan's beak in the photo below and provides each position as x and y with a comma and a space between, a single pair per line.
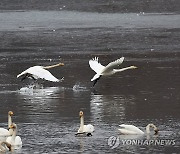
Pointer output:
156, 131
61, 64
134, 67
11, 127
89, 134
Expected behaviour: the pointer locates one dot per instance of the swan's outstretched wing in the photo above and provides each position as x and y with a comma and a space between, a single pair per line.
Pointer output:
113, 64
95, 65
39, 72
131, 129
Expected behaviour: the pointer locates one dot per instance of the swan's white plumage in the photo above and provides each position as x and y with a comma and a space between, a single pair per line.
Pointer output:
86, 129
17, 141
130, 129
39, 72
133, 130
14, 140
4, 132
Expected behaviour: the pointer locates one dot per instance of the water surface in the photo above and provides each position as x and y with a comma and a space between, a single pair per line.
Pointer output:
47, 118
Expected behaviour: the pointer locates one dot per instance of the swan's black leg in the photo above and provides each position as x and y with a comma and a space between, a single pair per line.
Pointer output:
24, 77
95, 81
89, 134
79, 134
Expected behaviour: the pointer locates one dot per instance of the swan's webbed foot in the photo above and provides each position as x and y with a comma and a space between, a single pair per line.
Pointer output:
89, 134
62, 79
83, 134
79, 134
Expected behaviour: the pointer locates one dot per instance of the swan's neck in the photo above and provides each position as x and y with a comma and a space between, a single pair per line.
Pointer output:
81, 124
82, 121
9, 124
9, 120
14, 134
52, 66
148, 129
149, 126
122, 69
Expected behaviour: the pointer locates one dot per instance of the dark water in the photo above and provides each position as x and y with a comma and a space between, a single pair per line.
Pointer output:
101, 6
48, 118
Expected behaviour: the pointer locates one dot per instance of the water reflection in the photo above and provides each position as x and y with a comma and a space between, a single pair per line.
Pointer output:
37, 102
115, 105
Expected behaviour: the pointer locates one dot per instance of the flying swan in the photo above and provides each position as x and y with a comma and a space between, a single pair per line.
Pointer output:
37, 72
84, 129
133, 130
106, 70
3, 146
4, 132
14, 140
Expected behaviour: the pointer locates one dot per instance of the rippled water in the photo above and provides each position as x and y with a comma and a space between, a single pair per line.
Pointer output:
47, 117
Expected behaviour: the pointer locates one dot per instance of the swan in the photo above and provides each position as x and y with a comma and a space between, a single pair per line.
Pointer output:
37, 72
4, 132
14, 140
84, 129
3, 146
133, 130
106, 70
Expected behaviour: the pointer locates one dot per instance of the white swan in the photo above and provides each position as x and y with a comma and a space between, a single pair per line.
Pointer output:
133, 130
106, 70
4, 132
3, 146
14, 140
87, 129
37, 72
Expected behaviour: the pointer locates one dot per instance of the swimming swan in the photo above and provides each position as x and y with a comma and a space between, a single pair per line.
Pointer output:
4, 132
87, 129
106, 70
14, 140
133, 130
